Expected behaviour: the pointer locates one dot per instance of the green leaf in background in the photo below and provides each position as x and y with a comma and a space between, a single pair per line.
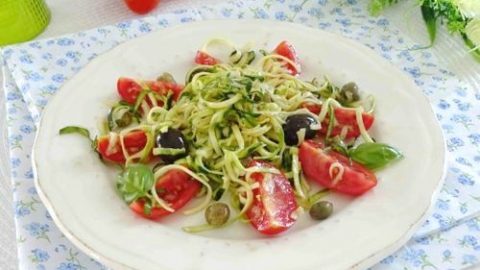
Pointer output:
374, 156
375, 7
135, 182
430, 19
474, 48
475, 51
454, 15
74, 129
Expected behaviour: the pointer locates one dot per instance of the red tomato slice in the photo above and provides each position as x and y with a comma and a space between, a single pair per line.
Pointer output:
274, 203
163, 88
128, 89
287, 50
134, 142
176, 89
203, 58
175, 187
316, 163
141, 6
314, 108
343, 118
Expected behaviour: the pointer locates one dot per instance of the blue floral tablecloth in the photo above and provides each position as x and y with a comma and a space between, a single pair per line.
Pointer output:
449, 239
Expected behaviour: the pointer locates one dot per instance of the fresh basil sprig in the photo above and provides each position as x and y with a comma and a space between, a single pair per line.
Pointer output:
135, 182
374, 156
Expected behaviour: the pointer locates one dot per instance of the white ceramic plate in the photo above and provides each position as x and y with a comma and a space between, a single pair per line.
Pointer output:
79, 191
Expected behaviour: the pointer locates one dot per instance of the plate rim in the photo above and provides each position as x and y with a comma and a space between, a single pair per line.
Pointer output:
364, 263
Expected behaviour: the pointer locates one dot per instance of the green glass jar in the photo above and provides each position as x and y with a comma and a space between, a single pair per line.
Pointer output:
22, 20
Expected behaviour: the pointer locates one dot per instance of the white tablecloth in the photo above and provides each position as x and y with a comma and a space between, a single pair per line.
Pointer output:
76, 15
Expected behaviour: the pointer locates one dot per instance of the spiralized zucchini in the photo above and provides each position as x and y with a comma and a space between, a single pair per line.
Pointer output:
225, 110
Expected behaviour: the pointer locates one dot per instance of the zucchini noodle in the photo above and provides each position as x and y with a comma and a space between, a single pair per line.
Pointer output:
296, 173
152, 98
372, 101
361, 125
343, 132
219, 41
223, 104
336, 171
274, 66
329, 102
112, 142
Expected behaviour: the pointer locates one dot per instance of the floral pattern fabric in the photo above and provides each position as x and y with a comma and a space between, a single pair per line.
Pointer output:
449, 238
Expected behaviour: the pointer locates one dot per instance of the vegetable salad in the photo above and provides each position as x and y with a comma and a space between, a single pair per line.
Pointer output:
245, 136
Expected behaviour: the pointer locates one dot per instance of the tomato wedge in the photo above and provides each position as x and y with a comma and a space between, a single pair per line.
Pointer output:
287, 50
312, 107
316, 163
274, 203
163, 88
203, 58
344, 118
134, 142
129, 89
175, 187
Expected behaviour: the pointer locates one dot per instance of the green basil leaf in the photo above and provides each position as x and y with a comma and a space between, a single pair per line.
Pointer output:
82, 132
135, 182
74, 129
374, 156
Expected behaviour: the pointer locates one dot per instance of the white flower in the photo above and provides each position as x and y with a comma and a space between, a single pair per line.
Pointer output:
469, 8
472, 30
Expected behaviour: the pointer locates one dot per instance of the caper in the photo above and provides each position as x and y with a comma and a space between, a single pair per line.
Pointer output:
166, 77
321, 210
217, 214
125, 119
349, 93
